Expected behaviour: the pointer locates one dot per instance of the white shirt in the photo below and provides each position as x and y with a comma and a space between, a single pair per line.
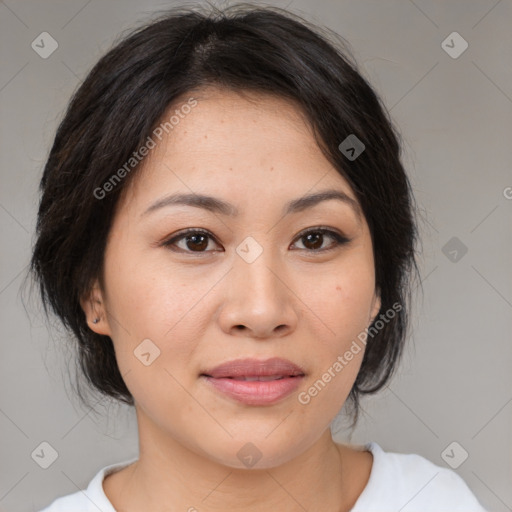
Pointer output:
398, 482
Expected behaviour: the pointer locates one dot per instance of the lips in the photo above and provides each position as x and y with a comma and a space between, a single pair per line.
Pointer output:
255, 370
254, 382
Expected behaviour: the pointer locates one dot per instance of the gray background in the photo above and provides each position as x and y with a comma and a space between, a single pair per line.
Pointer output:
455, 115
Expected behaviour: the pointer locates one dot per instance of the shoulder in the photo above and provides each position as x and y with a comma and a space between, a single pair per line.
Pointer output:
411, 483
91, 499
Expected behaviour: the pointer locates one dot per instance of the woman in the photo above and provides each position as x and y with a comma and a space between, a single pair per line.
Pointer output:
226, 228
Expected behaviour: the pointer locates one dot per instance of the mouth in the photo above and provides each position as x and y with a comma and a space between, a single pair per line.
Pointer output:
255, 382
255, 369
261, 378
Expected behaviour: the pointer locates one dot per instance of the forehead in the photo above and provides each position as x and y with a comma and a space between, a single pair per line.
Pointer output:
235, 143
237, 121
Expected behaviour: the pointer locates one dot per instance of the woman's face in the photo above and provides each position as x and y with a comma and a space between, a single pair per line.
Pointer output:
256, 286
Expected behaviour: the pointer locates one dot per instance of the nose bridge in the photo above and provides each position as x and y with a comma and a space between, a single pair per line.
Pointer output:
256, 267
257, 297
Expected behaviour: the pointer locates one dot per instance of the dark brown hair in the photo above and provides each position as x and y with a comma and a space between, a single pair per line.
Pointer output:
124, 97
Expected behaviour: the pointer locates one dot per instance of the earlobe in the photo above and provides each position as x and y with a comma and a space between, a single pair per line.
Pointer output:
95, 312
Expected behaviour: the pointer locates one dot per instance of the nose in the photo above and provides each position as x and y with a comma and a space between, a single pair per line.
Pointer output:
258, 301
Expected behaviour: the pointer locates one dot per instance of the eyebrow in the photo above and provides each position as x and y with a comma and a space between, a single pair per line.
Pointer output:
217, 205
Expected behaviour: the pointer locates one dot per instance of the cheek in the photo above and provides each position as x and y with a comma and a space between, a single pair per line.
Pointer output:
346, 301
342, 301
149, 298
152, 303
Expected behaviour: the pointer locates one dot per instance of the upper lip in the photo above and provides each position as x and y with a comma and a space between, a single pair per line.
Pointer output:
254, 368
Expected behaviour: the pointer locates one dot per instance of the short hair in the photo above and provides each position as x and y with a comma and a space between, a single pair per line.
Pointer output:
125, 96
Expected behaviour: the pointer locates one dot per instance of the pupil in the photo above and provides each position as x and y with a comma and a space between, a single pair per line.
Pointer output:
318, 237
194, 238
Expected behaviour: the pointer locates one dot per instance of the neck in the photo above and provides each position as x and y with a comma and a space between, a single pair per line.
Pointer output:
169, 475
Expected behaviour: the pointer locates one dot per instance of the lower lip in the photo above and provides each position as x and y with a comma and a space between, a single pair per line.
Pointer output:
256, 392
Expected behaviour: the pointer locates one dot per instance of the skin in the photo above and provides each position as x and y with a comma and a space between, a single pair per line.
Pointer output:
256, 152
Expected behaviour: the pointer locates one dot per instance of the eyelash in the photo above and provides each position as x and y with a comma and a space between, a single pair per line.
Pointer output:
339, 239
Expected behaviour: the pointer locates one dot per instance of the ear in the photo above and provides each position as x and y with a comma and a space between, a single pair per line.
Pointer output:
93, 305
376, 304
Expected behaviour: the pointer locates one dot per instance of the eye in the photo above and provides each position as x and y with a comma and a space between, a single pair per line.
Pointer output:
314, 239
195, 240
